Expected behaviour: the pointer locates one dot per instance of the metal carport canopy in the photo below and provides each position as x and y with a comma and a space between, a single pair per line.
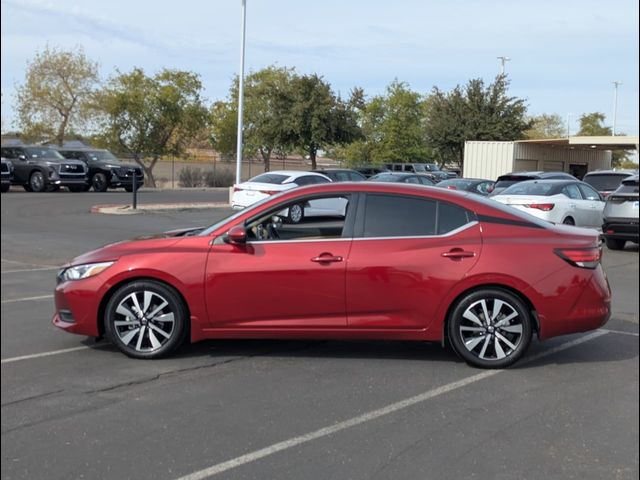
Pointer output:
621, 142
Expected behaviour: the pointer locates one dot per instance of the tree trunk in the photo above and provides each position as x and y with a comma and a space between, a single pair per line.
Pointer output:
61, 130
312, 156
266, 158
149, 179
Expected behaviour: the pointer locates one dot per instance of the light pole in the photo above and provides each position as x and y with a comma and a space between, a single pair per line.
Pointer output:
615, 105
568, 125
503, 59
241, 94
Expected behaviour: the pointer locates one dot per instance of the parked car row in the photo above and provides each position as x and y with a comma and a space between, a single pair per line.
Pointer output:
556, 197
40, 168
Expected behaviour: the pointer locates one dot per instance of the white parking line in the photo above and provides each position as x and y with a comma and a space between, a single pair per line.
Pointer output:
44, 354
28, 270
26, 299
633, 334
15, 262
372, 415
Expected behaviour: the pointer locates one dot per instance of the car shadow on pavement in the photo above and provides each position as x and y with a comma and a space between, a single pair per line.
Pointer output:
611, 347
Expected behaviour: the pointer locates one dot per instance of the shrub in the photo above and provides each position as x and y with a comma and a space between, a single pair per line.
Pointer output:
223, 178
190, 177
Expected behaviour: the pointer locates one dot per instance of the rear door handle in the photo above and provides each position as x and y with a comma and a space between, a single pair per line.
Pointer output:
458, 253
327, 258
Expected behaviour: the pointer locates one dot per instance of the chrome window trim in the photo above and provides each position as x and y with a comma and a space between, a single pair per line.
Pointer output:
448, 234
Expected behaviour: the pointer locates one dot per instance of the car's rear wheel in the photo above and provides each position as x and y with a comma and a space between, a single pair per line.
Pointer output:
490, 328
569, 221
146, 319
296, 213
614, 243
99, 182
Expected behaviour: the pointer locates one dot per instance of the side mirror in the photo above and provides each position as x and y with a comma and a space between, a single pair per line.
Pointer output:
276, 221
236, 236
22, 157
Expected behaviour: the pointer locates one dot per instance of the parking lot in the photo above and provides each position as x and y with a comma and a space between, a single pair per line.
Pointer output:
74, 408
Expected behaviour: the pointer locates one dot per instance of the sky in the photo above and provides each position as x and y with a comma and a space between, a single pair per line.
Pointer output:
564, 54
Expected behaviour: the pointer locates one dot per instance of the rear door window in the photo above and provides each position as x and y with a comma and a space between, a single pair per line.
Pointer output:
398, 216
572, 192
589, 193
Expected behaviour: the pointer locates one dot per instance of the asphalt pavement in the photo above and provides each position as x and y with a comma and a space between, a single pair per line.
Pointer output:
74, 408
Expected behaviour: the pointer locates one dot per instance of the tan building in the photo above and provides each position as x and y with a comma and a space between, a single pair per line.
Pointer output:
575, 155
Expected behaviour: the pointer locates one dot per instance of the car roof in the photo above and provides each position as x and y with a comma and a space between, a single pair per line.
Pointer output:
291, 174
610, 172
404, 174
464, 179
79, 149
322, 170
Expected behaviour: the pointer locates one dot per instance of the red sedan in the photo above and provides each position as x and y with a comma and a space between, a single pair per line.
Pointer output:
401, 262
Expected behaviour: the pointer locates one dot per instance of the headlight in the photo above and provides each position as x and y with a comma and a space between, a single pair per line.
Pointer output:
79, 272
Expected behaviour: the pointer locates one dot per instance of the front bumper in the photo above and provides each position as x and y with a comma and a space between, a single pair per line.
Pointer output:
77, 306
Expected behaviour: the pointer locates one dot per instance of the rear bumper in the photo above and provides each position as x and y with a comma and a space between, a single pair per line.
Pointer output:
621, 230
585, 304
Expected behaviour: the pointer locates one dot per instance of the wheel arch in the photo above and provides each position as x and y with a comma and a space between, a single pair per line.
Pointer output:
114, 288
497, 286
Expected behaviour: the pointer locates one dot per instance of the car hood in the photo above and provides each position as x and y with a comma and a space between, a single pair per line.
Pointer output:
135, 246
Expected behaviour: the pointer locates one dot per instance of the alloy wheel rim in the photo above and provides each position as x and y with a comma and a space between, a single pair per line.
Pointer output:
491, 329
144, 321
295, 212
36, 182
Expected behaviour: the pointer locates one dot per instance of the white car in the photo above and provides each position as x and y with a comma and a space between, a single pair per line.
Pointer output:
570, 202
269, 183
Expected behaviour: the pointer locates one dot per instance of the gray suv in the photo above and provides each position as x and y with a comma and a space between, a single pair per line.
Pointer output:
621, 215
607, 181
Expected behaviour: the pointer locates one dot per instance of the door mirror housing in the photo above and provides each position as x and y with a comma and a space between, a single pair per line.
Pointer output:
22, 157
236, 235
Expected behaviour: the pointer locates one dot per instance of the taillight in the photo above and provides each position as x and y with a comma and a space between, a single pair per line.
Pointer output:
545, 207
581, 257
236, 189
452, 187
269, 192
490, 188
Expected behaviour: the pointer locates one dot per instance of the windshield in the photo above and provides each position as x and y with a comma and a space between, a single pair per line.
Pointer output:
102, 155
273, 178
461, 184
529, 188
44, 152
605, 182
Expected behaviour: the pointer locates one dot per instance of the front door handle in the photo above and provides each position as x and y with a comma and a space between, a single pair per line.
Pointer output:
327, 258
458, 253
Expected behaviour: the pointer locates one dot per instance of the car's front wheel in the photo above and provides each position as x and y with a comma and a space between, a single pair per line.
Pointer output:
490, 328
146, 319
99, 182
37, 182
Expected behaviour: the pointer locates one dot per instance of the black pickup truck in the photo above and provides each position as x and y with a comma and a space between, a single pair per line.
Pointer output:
105, 170
43, 169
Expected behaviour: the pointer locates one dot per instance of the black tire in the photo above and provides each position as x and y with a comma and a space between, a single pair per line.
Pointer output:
27, 187
569, 221
614, 243
99, 182
77, 188
296, 213
142, 337
37, 182
5, 188
490, 346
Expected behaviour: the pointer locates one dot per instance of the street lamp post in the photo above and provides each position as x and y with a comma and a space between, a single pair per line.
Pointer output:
503, 59
615, 105
241, 94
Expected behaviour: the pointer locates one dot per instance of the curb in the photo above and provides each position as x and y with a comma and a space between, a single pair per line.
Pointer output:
155, 207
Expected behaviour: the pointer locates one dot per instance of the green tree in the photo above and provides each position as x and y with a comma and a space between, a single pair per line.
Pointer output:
592, 124
392, 125
472, 112
319, 119
267, 105
56, 93
152, 116
546, 126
